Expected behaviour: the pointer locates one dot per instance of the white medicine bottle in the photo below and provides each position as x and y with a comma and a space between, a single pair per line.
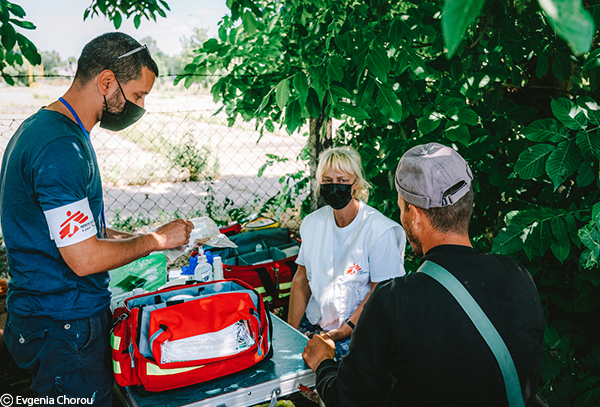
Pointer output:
203, 271
217, 268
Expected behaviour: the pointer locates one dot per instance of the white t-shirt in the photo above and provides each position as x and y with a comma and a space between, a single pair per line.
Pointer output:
384, 259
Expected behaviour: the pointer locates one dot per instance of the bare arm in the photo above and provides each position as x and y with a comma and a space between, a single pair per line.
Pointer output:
299, 296
97, 255
345, 330
117, 234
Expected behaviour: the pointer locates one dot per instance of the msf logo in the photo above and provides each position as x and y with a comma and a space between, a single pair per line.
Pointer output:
75, 220
355, 268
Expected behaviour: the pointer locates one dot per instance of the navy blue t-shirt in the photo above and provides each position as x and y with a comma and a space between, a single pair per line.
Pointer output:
48, 163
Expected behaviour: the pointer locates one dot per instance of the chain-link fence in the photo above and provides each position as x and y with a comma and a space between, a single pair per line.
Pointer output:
189, 163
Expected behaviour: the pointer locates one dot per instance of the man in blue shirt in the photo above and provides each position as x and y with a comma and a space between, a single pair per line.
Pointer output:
59, 249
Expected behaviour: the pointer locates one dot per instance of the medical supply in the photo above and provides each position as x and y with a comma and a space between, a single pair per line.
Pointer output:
203, 271
217, 268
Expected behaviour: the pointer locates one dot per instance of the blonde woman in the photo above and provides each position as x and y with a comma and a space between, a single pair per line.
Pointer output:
347, 248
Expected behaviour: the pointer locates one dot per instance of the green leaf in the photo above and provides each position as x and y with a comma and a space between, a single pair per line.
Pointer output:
561, 67
561, 245
561, 302
586, 301
378, 63
365, 92
340, 92
532, 161
563, 162
509, 240
262, 169
249, 22
538, 240
546, 130
451, 105
293, 116
137, 20
542, 64
264, 102
571, 22
591, 109
456, 18
585, 175
16, 9
551, 337
457, 132
355, 111
595, 210
388, 103
429, 122
589, 144
282, 93
9, 36
29, 50
312, 104
23, 24
593, 60
468, 116
301, 86
568, 113
117, 20
269, 126
335, 71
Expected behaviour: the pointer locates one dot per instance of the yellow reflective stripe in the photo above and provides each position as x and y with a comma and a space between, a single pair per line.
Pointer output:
154, 370
283, 286
260, 290
268, 299
115, 341
116, 367
284, 295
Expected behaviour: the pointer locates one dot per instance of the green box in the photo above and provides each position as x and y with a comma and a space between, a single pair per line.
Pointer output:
149, 273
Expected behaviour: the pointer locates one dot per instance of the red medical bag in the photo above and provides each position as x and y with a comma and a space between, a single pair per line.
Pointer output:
189, 334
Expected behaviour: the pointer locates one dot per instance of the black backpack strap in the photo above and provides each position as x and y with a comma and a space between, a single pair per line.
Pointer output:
292, 266
267, 282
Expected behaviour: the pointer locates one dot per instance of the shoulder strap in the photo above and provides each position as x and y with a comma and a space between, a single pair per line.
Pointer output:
483, 325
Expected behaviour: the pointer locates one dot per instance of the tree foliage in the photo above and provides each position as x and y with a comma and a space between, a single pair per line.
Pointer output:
13, 45
491, 78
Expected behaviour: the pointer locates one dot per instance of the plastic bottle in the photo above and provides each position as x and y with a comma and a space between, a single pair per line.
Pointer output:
217, 268
203, 271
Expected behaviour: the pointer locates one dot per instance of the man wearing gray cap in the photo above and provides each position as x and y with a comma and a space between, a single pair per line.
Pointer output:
414, 344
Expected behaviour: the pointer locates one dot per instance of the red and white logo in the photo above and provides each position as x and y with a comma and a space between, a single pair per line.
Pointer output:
355, 268
72, 223
74, 220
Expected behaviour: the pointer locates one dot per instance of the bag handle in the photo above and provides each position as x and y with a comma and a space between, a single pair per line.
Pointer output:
483, 325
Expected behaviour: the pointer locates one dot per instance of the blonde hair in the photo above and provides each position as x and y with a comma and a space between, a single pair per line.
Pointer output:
344, 159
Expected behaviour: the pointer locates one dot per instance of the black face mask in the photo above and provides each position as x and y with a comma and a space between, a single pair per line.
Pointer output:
130, 114
337, 195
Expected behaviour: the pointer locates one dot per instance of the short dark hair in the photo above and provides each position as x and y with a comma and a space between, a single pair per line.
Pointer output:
452, 218
103, 52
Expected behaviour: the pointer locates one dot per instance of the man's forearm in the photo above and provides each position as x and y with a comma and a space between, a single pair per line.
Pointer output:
97, 255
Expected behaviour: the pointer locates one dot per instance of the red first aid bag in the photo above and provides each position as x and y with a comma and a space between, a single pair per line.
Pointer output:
189, 334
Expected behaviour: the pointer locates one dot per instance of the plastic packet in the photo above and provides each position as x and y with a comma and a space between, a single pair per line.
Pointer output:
229, 341
206, 232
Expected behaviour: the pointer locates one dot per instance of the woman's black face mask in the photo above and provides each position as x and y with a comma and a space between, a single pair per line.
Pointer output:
337, 195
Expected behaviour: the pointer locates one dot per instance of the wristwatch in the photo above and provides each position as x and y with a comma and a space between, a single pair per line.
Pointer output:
351, 324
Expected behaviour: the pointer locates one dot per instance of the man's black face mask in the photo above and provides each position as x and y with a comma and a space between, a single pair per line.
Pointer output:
130, 114
337, 195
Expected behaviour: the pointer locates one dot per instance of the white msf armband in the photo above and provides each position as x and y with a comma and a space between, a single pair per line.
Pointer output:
72, 223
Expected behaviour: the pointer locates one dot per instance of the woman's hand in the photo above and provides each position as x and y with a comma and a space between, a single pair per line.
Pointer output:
340, 333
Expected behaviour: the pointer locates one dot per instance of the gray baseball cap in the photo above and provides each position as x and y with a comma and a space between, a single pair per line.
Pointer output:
432, 176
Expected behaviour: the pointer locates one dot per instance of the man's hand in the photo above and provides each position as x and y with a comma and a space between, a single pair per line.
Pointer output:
319, 348
173, 234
